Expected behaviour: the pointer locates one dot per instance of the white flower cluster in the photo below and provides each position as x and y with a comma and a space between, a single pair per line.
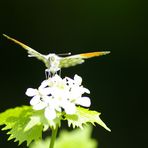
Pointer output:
56, 94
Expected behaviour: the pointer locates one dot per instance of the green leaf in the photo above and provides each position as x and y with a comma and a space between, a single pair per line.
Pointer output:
26, 124
39, 117
16, 120
70, 139
85, 116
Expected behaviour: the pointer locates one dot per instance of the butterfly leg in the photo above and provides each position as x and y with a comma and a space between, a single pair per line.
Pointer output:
60, 72
47, 73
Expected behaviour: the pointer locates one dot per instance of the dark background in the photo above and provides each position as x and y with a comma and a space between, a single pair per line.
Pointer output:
118, 82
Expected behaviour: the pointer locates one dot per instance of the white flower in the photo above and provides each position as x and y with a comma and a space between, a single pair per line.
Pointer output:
57, 94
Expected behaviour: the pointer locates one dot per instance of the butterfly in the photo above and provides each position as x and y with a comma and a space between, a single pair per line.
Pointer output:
54, 62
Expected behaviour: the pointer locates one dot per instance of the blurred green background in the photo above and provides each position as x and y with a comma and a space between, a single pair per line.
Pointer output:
118, 82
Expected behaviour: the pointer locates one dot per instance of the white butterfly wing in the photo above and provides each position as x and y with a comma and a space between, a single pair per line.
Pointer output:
69, 61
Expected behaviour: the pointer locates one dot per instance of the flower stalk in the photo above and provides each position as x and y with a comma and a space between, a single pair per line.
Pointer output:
53, 137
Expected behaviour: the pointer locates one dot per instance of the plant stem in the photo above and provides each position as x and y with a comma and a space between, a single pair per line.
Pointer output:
53, 137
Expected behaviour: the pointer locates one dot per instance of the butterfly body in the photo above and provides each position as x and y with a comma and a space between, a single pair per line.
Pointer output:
53, 62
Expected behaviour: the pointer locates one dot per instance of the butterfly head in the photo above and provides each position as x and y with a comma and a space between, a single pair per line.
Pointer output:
53, 62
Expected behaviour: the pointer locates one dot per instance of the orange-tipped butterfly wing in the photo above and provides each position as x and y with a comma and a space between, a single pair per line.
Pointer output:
79, 58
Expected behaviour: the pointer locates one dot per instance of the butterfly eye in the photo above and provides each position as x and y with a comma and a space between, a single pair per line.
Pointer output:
52, 58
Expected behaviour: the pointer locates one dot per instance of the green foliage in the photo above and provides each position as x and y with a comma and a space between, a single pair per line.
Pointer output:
26, 124
16, 120
85, 116
76, 138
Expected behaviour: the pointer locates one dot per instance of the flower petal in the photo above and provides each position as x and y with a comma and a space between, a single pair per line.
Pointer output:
44, 84
35, 100
39, 106
31, 92
47, 99
84, 101
50, 114
84, 90
45, 91
77, 79
69, 108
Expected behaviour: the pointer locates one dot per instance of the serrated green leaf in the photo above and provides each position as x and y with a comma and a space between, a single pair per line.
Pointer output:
85, 116
38, 117
16, 120
33, 121
10, 116
25, 124
19, 134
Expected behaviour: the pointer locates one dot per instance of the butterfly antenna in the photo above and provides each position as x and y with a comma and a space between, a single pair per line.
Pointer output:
64, 54
30, 56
